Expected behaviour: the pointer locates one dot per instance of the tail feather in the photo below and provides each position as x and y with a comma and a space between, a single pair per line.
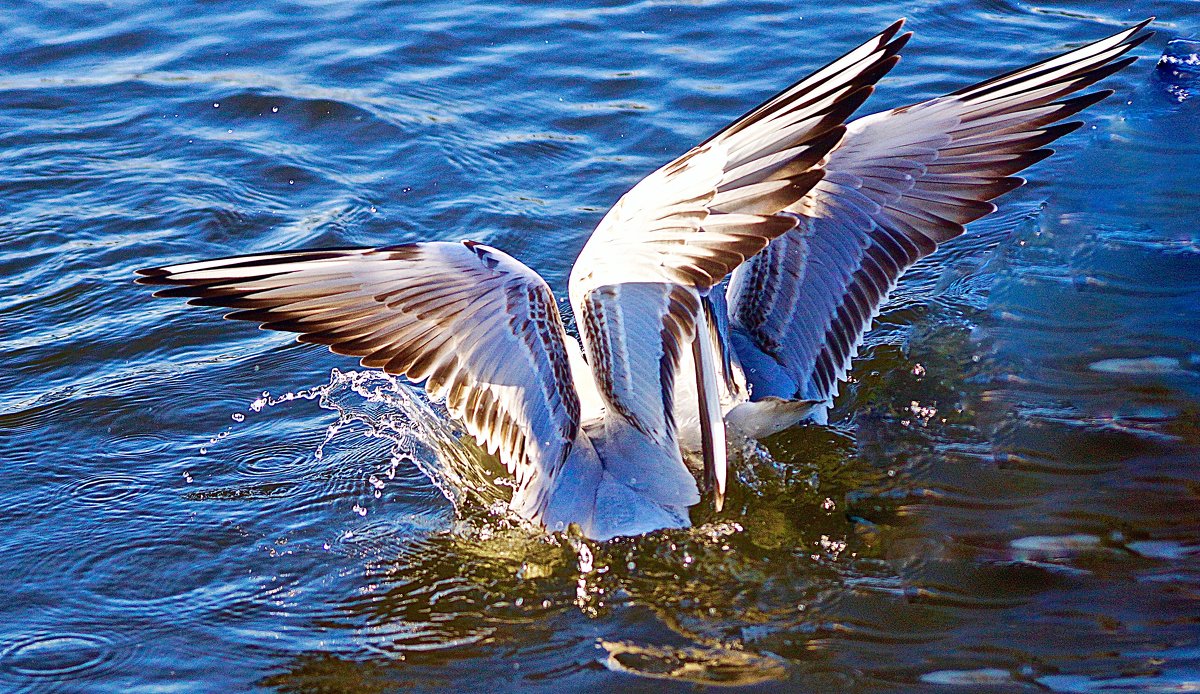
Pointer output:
605, 503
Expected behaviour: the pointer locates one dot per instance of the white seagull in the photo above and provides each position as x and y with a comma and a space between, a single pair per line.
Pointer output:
816, 220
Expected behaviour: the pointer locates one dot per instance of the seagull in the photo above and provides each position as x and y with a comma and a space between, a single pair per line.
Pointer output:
811, 218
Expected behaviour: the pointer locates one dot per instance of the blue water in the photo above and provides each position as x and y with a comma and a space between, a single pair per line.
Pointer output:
1008, 494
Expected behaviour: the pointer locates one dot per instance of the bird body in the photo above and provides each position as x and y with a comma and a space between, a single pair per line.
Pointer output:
812, 220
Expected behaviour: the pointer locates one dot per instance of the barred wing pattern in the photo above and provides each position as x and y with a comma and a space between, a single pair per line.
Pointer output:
692, 221
901, 182
683, 228
479, 328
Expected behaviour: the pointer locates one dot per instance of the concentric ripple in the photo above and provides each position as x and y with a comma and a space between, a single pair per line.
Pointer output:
109, 491
1006, 496
57, 656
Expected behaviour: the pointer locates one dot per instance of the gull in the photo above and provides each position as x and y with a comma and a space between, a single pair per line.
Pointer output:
812, 219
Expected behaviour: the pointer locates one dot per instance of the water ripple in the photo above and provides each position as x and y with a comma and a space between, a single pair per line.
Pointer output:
1012, 454
109, 492
58, 657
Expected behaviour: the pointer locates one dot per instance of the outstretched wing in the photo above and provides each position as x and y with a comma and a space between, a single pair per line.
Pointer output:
475, 325
637, 283
694, 220
900, 183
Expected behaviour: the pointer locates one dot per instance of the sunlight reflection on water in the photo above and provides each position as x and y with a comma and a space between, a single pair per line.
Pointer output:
1007, 494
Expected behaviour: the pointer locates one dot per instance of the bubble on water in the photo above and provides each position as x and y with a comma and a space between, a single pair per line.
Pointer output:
238, 417
1179, 68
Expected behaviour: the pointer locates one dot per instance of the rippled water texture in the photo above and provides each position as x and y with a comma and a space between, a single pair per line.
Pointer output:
1008, 495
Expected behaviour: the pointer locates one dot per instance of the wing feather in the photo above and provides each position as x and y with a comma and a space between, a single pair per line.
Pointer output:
637, 285
481, 330
900, 183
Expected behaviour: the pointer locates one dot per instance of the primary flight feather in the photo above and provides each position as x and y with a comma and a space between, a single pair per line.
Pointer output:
815, 217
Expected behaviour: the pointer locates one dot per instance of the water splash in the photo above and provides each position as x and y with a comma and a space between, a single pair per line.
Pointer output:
418, 431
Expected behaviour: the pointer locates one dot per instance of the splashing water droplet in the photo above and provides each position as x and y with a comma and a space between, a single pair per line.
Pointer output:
418, 431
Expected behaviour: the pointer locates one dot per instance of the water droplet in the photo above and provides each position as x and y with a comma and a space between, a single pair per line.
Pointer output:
585, 559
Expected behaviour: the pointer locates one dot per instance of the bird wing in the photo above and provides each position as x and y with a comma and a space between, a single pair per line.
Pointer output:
637, 283
478, 327
695, 219
900, 183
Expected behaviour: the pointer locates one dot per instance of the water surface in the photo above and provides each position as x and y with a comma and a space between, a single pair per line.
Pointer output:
1008, 495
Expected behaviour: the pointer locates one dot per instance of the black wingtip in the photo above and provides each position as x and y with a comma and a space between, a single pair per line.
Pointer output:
1137, 36
152, 276
898, 43
1135, 41
1063, 129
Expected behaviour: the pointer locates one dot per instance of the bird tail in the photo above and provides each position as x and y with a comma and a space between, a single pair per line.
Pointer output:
606, 503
